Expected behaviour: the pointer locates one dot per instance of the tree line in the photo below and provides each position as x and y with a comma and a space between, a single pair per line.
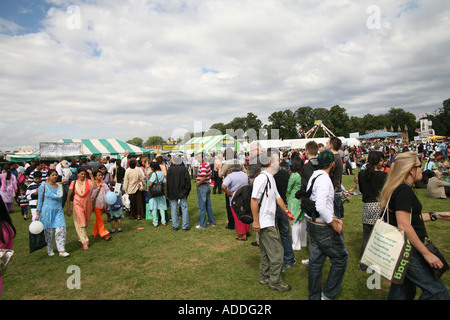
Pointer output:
336, 119
292, 120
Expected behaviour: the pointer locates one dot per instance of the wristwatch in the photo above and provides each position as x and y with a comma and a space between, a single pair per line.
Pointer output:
433, 216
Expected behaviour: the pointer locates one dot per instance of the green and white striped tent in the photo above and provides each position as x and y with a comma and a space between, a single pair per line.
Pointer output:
106, 147
210, 144
22, 157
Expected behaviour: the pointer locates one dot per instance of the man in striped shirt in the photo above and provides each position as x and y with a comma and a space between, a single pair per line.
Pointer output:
32, 193
40, 166
204, 193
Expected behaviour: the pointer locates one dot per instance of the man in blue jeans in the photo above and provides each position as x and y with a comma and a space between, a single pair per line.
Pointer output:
325, 234
204, 193
334, 144
281, 221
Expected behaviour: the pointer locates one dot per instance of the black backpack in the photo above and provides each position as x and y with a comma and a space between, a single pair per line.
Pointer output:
307, 205
241, 202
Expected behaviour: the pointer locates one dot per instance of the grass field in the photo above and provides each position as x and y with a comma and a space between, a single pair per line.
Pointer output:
160, 264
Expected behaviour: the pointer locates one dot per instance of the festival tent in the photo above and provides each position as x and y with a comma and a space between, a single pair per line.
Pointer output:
380, 134
20, 157
301, 143
106, 147
350, 142
210, 144
274, 144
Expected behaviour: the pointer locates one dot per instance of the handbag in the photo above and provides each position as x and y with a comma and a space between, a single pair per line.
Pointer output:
157, 188
434, 250
388, 251
37, 241
126, 202
6, 256
95, 198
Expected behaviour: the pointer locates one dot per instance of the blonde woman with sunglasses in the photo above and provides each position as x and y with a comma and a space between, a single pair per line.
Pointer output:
405, 212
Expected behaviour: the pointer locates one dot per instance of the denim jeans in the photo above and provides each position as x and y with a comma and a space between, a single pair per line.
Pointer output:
325, 243
338, 206
184, 213
204, 205
420, 275
282, 224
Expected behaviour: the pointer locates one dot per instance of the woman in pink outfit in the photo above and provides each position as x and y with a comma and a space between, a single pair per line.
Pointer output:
82, 204
7, 232
8, 187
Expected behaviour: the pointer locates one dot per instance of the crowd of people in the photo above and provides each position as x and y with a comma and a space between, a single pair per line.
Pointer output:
281, 181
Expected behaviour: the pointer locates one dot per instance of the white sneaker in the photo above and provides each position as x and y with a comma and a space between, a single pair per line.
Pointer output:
305, 261
63, 254
324, 297
51, 254
199, 227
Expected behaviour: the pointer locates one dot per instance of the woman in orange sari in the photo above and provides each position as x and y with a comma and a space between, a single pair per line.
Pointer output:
82, 204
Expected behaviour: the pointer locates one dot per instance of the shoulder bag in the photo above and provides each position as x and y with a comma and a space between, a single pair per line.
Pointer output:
6, 256
388, 251
157, 188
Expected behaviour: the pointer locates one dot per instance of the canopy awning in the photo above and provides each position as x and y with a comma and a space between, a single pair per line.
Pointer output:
210, 144
301, 143
106, 147
23, 157
380, 135
435, 138
275, 143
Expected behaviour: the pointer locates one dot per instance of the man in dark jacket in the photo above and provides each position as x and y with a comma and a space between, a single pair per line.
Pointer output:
311, 150
178, 189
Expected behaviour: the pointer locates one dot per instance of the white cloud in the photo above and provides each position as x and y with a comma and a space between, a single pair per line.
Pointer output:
142, 68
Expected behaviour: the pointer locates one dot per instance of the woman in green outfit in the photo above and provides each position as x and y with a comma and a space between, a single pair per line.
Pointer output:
299, 225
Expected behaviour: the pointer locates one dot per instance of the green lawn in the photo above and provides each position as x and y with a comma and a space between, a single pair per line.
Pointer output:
160, 264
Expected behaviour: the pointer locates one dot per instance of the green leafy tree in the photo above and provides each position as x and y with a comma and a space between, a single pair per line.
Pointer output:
441, 119
355, 124
285, 122
216, 129
136, 141
154, 140
338, 121
304, 118
397, 117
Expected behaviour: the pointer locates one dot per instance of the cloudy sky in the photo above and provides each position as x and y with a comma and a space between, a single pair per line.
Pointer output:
135, 68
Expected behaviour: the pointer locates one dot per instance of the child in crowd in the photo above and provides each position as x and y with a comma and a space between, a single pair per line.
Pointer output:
116, 210
23, 201
32, 193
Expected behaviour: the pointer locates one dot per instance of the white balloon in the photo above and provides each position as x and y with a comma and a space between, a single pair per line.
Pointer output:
110, 198
36, 227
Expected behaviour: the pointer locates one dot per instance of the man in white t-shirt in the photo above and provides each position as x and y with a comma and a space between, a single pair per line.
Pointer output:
125, 163
265, 198
325, 234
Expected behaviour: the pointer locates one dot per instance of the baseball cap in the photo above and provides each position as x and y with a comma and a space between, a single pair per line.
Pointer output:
325, 158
